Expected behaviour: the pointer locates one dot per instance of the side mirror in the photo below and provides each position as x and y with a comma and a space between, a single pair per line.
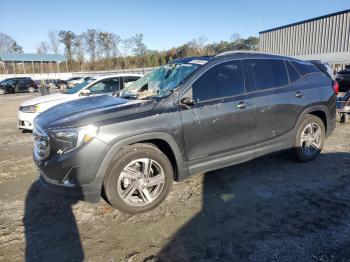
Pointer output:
186, 101
85, 92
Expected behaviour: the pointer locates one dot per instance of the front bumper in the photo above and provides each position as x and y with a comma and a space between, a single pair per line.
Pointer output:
89, 193
75, 173
25, 120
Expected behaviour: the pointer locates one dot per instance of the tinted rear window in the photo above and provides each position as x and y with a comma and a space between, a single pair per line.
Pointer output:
267, 73
293, 74
305, 68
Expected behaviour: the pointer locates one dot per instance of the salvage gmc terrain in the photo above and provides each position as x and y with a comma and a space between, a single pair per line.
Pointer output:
193, 115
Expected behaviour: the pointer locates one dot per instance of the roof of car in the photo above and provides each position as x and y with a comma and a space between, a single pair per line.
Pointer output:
234, 54
252, 53
192, 58
115, 75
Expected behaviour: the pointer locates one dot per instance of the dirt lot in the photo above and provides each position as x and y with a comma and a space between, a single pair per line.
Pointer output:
270, 209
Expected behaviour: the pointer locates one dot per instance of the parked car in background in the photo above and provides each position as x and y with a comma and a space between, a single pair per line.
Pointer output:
18, 84
343, 77
59, 83
101, 85
74, 82
191, 116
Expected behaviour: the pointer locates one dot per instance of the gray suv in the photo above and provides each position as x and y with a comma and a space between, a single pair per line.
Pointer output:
193, 115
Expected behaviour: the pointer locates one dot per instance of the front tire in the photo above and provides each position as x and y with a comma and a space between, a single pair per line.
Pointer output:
31, 89
310, 139
2, 91
138, 179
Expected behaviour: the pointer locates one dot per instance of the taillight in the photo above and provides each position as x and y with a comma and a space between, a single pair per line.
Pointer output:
336, 87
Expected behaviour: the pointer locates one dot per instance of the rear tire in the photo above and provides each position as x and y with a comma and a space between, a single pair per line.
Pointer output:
138, 179
309, 139
2, 91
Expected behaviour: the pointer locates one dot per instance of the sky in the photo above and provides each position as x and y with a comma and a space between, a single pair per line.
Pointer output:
165, 24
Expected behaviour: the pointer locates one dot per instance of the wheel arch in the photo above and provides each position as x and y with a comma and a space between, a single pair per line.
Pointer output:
320, 111
161, 140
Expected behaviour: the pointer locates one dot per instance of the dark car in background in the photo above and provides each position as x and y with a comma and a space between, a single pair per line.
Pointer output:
191, 116
343, 78
18, 84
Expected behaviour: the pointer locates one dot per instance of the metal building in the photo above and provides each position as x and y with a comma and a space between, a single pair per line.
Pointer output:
324, 38
21, 63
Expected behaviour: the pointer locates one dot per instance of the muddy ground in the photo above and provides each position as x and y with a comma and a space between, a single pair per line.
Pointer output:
270, 209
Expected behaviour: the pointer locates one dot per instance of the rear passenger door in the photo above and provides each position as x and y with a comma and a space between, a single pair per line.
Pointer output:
279, 97
221, 117
21, 85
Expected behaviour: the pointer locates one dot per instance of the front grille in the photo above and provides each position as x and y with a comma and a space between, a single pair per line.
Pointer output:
41, 146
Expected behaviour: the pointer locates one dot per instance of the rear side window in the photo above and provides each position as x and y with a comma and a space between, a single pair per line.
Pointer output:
267, 73
293, 74
220, 81
305, 67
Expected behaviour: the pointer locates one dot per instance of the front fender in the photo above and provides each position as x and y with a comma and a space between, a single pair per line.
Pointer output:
180, 159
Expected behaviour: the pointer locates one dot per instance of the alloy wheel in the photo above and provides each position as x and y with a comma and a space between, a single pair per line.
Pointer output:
311, 139
141, 182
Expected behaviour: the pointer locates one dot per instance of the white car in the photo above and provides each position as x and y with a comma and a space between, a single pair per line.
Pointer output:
77, 80
101, 85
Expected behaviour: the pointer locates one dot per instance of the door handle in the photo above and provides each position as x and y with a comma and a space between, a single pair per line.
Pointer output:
299, 95
242, 105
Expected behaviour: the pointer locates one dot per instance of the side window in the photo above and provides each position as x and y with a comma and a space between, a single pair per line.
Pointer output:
293, 74
128, 80
22, 82
222, 80
267, 73
305, 67
105, 86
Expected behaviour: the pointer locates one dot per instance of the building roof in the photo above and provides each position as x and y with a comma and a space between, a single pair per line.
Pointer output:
25, 57
331, 58
305, 21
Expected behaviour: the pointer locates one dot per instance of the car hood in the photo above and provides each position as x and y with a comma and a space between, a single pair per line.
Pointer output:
45, 99
90, 110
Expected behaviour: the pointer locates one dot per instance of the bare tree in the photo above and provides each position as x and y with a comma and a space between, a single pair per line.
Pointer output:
201, 43
105, 43
43, 48
68, 39
126, 46
235, 37
115, 46
79, 50
9, 45
104, 46
54, 41
140, 48
90, 39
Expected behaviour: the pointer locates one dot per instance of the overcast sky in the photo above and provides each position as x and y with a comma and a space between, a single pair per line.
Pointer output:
164, 23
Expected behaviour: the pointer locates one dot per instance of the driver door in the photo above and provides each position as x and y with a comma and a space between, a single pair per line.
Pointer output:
222, 116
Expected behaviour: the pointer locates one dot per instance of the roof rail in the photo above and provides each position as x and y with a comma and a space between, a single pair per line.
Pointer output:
243, 52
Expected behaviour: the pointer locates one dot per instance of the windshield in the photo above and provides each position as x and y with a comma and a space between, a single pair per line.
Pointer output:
5, 81
159, 82
78, 87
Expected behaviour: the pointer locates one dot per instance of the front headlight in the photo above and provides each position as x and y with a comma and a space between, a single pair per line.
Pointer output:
69, 139
29, 109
